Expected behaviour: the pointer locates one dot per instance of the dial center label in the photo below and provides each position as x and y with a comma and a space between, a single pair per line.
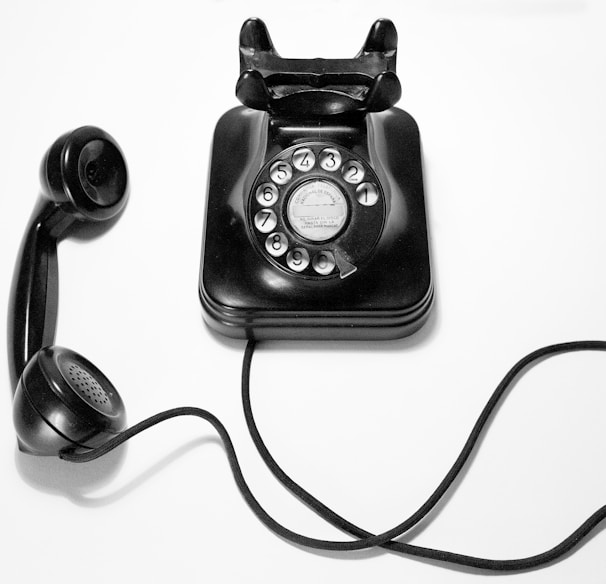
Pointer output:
317, 210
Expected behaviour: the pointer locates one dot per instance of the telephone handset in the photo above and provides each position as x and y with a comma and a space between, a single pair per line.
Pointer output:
315, 221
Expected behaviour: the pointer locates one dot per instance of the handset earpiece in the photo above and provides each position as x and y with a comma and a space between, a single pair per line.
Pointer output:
84, 174
84, 178
61, 399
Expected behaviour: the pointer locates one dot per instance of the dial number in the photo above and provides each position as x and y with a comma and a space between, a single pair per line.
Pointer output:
353, 172
280, 172
303, 159
367, 194
266, 220
297, 259
330, 159
324, 263
267, 194
276, 244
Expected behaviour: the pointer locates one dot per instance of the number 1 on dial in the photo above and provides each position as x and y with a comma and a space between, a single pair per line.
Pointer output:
367, 194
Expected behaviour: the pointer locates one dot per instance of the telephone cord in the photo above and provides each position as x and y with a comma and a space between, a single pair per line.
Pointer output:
366, 539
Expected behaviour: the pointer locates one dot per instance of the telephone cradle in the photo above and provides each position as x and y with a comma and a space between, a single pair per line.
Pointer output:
315, 221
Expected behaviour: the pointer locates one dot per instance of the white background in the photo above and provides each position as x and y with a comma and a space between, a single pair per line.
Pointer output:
509, 97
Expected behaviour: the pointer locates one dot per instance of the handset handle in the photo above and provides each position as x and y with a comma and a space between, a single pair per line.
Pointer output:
34, 295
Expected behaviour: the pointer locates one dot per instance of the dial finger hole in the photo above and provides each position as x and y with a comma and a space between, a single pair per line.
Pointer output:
353, 172
267, 194
330, 159
303, 159
276, 244
266, 220
324, 263
297, 259
367, 194
280, 172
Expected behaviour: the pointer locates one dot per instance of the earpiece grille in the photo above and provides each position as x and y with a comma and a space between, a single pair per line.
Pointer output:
88, 387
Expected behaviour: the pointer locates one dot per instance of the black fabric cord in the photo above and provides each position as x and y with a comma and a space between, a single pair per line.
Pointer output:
366, 539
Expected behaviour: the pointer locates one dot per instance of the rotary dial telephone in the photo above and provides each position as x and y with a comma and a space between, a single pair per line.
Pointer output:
315, 222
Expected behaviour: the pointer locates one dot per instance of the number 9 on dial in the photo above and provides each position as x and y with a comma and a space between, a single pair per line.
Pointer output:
297, 259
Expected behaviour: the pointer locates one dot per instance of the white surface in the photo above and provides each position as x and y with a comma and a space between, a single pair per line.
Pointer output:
509, 97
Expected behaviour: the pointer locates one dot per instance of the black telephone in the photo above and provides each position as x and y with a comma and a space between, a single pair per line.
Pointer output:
315, 223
